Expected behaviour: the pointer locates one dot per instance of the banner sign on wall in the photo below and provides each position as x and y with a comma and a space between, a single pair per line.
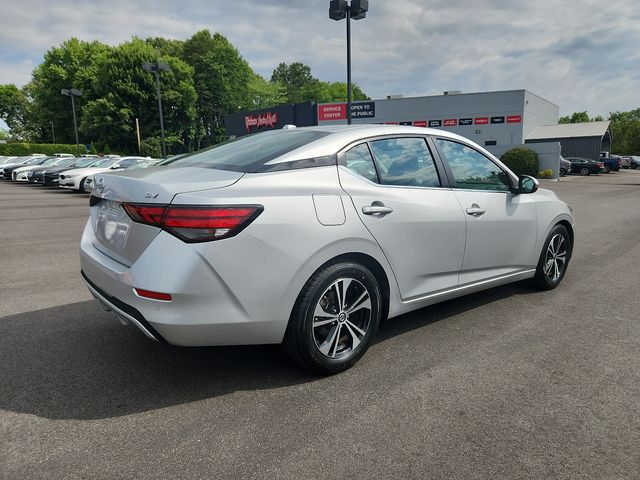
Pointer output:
450, 122
465, 121
363, 110
481, 120
497, 120
435, 123
420, 123
264, 120
514, 119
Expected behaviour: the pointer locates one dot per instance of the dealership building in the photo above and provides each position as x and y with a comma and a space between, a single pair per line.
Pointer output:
496, 120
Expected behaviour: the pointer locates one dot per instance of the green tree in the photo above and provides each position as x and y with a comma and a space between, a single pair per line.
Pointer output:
221, 79
14, 110
576, 117
74, 64
297, 80
124, 91
263, 94
625, 130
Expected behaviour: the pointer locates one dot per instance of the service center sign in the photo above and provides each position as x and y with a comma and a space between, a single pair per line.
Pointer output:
338, 111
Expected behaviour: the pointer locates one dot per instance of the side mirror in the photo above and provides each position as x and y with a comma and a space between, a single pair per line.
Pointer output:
114, 167
528, 184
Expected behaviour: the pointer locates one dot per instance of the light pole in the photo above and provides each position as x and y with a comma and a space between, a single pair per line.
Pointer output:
156, 68
72, 92
357, 10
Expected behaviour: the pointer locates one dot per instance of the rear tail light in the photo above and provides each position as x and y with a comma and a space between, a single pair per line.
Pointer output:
195, 223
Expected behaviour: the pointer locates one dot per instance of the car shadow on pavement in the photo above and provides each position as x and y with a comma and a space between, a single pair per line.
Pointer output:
78, 362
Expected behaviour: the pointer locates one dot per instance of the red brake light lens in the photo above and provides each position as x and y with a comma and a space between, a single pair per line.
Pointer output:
195, 223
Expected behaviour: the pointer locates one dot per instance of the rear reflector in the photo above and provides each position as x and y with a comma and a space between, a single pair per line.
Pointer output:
153, 295
195, 223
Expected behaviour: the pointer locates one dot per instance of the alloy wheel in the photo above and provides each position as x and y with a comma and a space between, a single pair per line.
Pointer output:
341, 318
555, 258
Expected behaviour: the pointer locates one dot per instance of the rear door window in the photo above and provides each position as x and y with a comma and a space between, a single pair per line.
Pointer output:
358, 159
405, 161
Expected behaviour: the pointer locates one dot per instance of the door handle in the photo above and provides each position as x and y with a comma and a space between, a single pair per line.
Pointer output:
475, 210
376, 210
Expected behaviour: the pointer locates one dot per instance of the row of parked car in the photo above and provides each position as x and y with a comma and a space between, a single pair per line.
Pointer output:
586, 166
66, 171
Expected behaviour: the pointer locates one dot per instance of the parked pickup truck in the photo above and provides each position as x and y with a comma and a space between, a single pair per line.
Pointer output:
611, 163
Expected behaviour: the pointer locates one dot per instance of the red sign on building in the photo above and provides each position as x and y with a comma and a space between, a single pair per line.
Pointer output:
420, 123
514, 118
264, 120
450, 122
334, 111
481, 120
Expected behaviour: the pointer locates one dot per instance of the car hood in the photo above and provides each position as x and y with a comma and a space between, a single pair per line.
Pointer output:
86, 171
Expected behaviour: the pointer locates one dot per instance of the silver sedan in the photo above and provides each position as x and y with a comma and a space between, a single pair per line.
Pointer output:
311, 237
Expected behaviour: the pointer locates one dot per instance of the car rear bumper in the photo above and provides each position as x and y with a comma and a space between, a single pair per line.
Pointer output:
225, 294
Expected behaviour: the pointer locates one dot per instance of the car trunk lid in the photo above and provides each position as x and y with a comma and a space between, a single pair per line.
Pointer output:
119, 237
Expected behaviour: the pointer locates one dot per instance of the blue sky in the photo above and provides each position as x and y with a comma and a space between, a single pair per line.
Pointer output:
582, 54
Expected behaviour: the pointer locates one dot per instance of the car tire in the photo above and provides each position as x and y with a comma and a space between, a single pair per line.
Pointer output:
584, 172
81, 186
562, 172
326, 334
607, 169
554, 259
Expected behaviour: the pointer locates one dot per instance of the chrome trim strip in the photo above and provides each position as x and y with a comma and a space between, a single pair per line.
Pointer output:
120, 312
481, 283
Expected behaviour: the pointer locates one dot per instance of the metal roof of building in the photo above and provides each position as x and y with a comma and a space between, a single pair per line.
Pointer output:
568, 130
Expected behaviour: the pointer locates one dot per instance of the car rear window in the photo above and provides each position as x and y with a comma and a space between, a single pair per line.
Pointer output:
249, 153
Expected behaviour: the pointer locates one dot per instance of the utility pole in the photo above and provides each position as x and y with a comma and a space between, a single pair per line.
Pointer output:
72, 92
357, 10
156, 68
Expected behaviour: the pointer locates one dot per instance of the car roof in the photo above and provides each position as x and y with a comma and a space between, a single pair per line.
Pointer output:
342, 135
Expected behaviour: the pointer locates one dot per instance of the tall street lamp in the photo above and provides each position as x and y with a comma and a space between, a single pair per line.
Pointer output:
73, 92
357, 10
156, 68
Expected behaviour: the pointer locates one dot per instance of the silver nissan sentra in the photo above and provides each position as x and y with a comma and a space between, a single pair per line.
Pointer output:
311, 237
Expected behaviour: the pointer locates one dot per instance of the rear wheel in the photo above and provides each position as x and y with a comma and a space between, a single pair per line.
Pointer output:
335, 318
607, 169
584, 171
554, 259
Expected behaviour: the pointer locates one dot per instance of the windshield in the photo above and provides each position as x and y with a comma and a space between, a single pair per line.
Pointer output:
65, 162
249, 153
105, 162
83, 162
50, 161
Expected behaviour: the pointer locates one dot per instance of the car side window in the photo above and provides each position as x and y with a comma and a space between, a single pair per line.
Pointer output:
471, 169
359, 160
405, 161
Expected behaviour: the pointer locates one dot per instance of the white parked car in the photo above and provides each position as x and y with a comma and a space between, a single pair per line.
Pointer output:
22, 174
77, 178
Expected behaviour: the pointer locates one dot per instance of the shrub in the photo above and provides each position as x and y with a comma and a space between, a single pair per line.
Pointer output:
521, 161
23, 149
548, 173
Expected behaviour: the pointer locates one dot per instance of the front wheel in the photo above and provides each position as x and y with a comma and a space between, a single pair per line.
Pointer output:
81, 186
335, 318
554, 259
563, 171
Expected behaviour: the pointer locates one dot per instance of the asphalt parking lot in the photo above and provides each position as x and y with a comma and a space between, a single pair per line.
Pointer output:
509, 383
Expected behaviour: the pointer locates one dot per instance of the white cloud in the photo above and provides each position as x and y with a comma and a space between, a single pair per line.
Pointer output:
577, 54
